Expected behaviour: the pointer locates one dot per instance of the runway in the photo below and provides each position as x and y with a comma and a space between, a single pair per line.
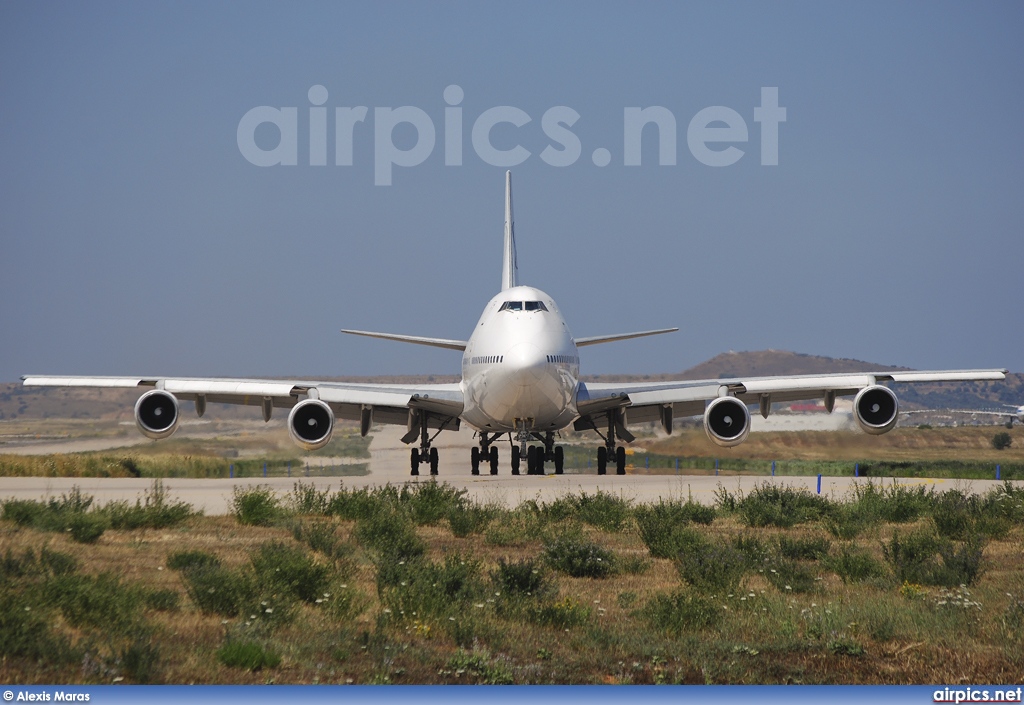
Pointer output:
389, 464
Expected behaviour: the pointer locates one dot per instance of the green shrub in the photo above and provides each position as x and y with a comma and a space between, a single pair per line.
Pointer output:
663, 526
162, 600
469, 519
848, 521
155, 511
187, 560
564, 614
915, 559
1002, 440
255, 506
578, 557
218, 590
86, 528
787, 575
854, 565
25, 631
24, 512
322, 538
712, 566
603, 510
755, 551
807, 548
681, 611
307, 499
140, 659
775, 505
429, 502
391, 533
425, 588
249, 655
280, 568
953, 514
522, 578
99, 602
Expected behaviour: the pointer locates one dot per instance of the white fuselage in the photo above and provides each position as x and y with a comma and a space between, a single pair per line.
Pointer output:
521, 368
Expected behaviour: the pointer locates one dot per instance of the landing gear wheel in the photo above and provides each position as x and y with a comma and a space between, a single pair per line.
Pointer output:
415, 462
474, 460
559, 460
433, 461
540, 461
620, 461
515, 460
531, 460
494, 460
602, 460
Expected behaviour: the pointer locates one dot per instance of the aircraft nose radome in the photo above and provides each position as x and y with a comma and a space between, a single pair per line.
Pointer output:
526, 362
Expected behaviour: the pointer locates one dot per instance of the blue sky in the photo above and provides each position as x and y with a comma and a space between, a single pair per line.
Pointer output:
136, 238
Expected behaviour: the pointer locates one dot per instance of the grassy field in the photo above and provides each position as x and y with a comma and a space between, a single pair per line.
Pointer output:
421, 585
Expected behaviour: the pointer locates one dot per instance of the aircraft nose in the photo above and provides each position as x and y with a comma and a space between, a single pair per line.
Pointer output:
526, 362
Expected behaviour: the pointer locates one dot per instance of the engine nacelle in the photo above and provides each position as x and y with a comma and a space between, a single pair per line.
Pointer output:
876, 409
311, 423
156, 414
727, 421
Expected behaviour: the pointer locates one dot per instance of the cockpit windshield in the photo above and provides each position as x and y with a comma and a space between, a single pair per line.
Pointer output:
523, 306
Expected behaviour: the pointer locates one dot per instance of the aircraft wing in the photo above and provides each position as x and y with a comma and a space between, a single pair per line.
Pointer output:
390, 403
661, 401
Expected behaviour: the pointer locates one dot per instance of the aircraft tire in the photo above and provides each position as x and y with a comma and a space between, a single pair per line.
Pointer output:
620, 461
602, 460
559, 460
433, 461
474, 460
515, 460
415, 462
494, 460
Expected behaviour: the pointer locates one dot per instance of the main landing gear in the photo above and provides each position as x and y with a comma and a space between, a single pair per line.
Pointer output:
610, 452
425, 453
486, 453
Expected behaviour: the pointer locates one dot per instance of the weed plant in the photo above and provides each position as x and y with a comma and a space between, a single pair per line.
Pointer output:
712, 566
188, 560
682, 611
853, 565
281, 568
784, 507
256, 506
663, 526
248, 655
575, 555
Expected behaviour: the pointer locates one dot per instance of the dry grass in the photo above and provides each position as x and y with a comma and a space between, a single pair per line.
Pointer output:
868, 632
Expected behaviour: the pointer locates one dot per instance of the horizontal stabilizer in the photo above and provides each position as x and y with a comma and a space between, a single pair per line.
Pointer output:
418, 340
594, 340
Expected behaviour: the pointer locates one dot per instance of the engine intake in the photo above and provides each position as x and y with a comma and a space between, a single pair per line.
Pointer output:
876, 409
156, 414
727, 421
311, 423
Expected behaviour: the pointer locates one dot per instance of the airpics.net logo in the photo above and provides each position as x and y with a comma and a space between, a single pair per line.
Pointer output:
711, 135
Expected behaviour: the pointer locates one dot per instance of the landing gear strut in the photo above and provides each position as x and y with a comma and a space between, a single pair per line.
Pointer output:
486, 453
611, 451
425, 453
536, 456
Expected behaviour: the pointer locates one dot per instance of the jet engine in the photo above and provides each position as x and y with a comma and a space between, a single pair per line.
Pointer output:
727, 421
876, 409
156, 414
311, 423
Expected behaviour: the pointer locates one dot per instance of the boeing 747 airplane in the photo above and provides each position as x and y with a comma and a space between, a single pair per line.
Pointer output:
520, 381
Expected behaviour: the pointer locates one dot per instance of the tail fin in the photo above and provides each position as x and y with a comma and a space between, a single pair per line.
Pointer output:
509, 267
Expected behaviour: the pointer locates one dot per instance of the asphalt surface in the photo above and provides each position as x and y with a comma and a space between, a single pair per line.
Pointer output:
389, 464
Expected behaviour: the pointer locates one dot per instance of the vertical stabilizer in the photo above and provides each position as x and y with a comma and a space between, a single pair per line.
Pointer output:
509, 268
